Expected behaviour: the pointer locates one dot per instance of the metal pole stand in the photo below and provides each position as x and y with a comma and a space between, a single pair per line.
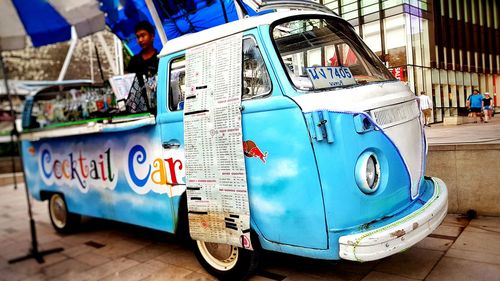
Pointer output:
34, 253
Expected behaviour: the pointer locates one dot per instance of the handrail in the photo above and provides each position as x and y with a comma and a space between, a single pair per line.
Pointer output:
262, 5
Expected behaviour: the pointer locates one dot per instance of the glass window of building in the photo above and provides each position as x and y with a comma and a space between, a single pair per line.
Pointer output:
417, 36
496, 14
412, 2
349, 9
424, 41
395, 41
423, 5
332, 5
372, 37
391, 3
369, 6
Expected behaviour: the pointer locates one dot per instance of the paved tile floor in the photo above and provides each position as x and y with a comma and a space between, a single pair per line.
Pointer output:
468, 133
458, 250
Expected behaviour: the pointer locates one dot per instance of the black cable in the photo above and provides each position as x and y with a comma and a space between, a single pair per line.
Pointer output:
243, 10
99, 62
224, 10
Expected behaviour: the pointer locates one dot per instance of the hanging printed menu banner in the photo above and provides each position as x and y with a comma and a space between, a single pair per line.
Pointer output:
215, 166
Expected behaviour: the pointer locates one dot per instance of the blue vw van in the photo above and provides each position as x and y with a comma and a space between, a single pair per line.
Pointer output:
334, 149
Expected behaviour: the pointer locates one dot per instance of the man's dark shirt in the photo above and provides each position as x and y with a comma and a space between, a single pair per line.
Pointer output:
137, 101
142, 67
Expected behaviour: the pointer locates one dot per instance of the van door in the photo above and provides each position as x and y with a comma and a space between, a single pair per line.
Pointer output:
170, 119
286, 204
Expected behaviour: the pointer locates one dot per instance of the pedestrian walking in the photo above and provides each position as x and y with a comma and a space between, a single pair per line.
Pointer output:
475, 104
487, 107
426, 107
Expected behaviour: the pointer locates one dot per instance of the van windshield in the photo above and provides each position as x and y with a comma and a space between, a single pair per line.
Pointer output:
326, 53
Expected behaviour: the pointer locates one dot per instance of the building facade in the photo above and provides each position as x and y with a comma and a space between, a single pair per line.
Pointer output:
446, 48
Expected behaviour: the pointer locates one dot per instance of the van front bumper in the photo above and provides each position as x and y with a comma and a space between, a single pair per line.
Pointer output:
399, 235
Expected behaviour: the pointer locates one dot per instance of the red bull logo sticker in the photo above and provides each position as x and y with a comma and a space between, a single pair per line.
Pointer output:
252, 150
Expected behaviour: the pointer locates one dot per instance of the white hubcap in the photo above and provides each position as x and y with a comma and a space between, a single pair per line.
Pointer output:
222, 257
58, 210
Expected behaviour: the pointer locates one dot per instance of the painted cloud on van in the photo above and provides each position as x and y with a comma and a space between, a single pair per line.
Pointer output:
281, 169
124, 176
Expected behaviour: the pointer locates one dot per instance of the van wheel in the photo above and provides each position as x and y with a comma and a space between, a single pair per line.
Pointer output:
224, 261
62, 220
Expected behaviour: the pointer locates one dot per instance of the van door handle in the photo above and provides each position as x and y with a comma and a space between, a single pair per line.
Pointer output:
328, 126
317, 126
171, 144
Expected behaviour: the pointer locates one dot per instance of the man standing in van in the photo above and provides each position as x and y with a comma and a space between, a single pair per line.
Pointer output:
145, 66
145, 62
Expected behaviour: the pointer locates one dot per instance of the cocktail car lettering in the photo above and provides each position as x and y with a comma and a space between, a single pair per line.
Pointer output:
77, 168
145, 174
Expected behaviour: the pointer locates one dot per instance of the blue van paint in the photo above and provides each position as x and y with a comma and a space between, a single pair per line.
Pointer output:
116, 202
302, 199
346, 204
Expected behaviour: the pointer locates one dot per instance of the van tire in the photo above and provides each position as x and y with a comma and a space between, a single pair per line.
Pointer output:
182, 225
62, 220
233, 263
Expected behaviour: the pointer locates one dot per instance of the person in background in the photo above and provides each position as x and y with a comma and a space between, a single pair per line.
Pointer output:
426, 107
474, 104
487, 107
144, 63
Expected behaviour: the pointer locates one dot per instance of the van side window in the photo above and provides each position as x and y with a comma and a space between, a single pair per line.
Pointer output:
256, 81
177, 85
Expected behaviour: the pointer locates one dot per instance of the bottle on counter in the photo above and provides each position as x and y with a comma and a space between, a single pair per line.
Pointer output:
91, 105
84, 105
59, 105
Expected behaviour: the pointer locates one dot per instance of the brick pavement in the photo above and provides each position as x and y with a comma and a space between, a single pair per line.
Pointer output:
468, 133
104, 250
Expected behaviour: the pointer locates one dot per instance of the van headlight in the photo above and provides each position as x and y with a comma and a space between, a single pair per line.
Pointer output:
368, 172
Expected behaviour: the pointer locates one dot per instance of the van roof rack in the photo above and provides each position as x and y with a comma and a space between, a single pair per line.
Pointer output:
262, 5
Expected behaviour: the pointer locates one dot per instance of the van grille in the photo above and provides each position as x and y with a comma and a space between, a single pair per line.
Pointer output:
395, 114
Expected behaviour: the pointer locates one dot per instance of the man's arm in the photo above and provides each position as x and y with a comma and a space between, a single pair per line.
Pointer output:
132, 65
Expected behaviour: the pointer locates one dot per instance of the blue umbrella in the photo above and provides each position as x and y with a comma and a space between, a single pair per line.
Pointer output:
46, 21
177, 17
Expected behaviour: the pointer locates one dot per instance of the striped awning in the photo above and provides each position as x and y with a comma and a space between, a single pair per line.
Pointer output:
46, 21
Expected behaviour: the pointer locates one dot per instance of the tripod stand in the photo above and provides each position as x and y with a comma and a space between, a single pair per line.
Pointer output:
34, 253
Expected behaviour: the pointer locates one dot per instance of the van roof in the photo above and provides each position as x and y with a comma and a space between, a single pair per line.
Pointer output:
195, 39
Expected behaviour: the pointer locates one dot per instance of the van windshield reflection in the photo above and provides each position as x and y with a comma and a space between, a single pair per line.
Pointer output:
326, 53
